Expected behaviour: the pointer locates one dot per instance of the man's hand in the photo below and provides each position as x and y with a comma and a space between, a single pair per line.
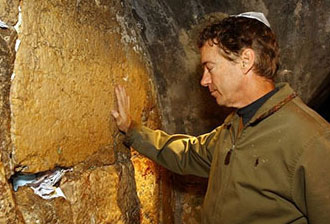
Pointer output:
122, 115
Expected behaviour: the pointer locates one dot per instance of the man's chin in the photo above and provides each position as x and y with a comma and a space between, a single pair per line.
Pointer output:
222, 103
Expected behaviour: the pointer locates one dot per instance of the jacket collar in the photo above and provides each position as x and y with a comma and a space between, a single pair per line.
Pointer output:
284, 95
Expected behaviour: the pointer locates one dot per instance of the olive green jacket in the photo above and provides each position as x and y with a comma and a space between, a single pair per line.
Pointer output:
274, 170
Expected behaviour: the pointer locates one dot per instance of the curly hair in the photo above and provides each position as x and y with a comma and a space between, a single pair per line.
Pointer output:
234, 34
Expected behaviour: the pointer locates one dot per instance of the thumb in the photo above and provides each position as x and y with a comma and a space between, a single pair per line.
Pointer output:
115, 114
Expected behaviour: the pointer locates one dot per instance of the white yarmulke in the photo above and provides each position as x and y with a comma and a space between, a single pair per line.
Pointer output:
254, 15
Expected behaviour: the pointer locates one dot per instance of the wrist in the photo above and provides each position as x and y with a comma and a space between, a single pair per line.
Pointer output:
127, 126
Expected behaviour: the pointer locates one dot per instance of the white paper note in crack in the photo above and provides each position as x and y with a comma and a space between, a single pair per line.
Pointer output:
45, 185
3, 25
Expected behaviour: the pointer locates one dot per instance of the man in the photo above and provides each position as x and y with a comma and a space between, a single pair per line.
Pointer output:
270, 160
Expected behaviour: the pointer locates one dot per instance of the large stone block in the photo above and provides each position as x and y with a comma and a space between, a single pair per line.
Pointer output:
91, 197
71, 56
37, 210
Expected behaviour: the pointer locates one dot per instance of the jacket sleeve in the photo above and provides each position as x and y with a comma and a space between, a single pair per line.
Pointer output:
182, 154
312, 180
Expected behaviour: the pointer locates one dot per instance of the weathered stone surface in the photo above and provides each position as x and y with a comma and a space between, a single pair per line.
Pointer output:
128, 200
37, 210
66, 68
99, 195
167, 196
147, 186
304, 33
193, 190
8, 210
9, 11
7, 57
91, 197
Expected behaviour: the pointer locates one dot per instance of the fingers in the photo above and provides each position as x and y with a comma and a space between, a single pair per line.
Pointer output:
119, 98
123, 105
128, 103
125, 99
122, 114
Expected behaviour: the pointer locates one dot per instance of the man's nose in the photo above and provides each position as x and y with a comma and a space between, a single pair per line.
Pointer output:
206, 78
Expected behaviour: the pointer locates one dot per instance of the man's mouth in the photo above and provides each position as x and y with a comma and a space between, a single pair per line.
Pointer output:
212, 92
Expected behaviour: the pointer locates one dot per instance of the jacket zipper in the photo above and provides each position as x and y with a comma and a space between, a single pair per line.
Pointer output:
228, 155
230, 152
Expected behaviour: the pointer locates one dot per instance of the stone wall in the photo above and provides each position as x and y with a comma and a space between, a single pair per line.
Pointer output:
9, 212
57, 91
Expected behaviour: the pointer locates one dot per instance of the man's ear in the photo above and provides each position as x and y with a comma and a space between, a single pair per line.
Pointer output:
247, 60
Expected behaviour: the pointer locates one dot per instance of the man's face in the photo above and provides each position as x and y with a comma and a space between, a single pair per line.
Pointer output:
224, 78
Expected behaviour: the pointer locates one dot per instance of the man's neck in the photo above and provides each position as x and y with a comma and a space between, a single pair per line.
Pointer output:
255, 89
250, 110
